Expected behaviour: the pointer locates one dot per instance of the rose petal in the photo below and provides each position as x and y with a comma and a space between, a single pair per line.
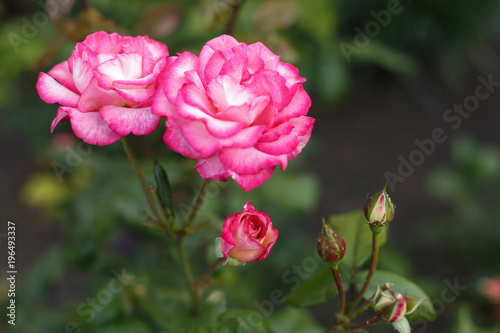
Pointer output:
212, 168
101, 42
175, 78
213, 67
219, 43
274, 133
304, 126
299, 106
136, 95
124, 67
52, 91
60, 116
249, 182
95, 97
284, 145
91, 128
248, 161
82, 73
61, 73
270, 59
246, 249
161, 105
125, 120
143, 82
246, 114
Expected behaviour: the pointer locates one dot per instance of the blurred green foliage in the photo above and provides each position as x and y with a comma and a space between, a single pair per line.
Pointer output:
96, 204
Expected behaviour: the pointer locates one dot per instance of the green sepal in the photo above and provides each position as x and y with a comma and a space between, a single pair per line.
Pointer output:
402, 325
164, 192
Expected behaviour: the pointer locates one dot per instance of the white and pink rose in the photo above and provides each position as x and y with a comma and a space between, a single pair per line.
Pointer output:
236, 108
107, 86
247, 236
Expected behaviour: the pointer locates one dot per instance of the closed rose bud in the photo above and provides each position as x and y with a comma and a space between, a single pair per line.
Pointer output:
330, 246
379, 209
389, 305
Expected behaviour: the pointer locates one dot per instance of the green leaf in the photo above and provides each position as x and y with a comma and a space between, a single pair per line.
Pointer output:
387, 57
318, 18
244, 321
130, 326
333, 76
401, 285
402, 325
465, 324
317, 290
164, 191
354, 229
293, 320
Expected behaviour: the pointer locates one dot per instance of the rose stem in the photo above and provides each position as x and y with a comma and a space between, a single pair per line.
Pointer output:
195, 292
229, 29
372, 321
142, 180
371, 271
360, 309
340, 287
210, 269
198, 204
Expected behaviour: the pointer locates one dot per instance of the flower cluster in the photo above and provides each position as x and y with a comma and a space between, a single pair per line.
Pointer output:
236, 108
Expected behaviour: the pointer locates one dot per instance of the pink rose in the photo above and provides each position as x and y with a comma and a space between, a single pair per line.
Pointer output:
237, 108
107, 86
248, 236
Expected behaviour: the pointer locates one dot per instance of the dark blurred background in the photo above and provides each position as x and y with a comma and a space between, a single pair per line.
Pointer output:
381, 75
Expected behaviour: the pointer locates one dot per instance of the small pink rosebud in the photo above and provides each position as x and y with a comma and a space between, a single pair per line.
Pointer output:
379, 209
330, 246
491, 288
247, 236
389, 305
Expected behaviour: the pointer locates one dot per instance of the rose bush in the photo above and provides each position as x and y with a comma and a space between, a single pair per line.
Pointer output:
106, 87
236, 108
248, 236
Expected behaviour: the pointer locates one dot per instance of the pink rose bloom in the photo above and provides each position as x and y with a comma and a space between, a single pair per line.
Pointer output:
107, 86
248, 236
237, 108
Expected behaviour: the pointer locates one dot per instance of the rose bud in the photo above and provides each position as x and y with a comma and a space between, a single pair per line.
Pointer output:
330, 246
379, 209
248, 236
389, 305
491, 289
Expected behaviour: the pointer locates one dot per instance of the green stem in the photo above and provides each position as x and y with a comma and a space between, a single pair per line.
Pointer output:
372, 321
142, 180
371, 271
199, 202
185, 261
209, 271
229, 29
340, 288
